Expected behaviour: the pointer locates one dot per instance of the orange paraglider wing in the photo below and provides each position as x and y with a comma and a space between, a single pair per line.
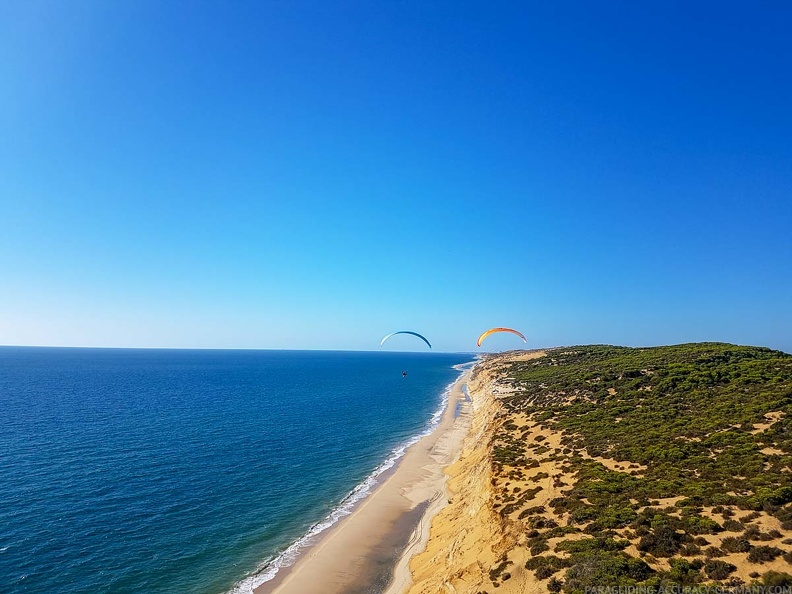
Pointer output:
494, 330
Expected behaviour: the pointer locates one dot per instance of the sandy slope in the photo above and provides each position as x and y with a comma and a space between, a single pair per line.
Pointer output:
467, 537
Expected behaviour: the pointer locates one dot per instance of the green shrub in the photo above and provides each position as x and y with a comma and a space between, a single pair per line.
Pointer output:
541, 522
764, 553
689, 550
684, 572
537, 509
733, 544
732, 526
702, 525
614, 569
614, 517
537, 546
712, 552
496, 571
592, 545
718, 570
545, 571
768, 498
754, 533
661, 542
777, 579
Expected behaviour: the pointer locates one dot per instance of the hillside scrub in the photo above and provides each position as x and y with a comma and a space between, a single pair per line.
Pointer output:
705, 426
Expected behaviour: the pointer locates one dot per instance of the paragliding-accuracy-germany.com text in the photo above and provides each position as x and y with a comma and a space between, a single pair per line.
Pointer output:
679, 589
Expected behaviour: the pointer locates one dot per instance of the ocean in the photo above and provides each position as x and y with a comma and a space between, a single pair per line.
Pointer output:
165, 471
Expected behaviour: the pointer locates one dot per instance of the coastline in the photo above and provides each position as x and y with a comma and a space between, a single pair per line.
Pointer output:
466, 537
365, 545
473, 505
473, 406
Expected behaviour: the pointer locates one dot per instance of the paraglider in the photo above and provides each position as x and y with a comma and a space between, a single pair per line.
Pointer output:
494, 330
405, 332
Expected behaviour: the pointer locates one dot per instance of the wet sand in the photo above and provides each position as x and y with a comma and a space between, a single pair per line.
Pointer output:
359, 554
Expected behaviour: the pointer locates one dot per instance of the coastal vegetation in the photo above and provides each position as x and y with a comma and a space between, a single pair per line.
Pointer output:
616, 466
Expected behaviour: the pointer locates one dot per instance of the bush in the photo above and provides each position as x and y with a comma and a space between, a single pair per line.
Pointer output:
559, 531
690, 550
616, 569
551, 560
545, 571
718, 570
537, 509
614, 516
733, 544
661, 542
783, 514
685, 572
754, 533
592, 545
555, 585
702, 525
538, 545
712, 552
766, 498
732, 526
495, 572
541, 522
764, 553
777, 579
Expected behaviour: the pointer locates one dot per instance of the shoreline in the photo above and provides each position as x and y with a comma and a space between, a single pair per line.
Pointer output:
468, 405
364, 546
466, 536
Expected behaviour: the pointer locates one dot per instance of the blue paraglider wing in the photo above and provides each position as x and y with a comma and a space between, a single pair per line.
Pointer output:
405, 332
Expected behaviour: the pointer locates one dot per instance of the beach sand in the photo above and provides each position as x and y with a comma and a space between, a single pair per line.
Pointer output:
359, 553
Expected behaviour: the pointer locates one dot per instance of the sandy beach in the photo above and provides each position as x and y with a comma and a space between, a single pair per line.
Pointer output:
362, 549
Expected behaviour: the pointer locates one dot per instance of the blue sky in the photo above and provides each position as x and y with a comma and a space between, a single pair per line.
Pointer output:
316, 175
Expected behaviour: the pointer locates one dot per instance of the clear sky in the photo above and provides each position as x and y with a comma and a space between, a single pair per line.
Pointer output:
293, 174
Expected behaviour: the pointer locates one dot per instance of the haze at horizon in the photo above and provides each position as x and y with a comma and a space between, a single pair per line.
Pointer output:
299, 175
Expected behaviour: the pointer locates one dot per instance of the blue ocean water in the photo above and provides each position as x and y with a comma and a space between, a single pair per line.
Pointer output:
165, 471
